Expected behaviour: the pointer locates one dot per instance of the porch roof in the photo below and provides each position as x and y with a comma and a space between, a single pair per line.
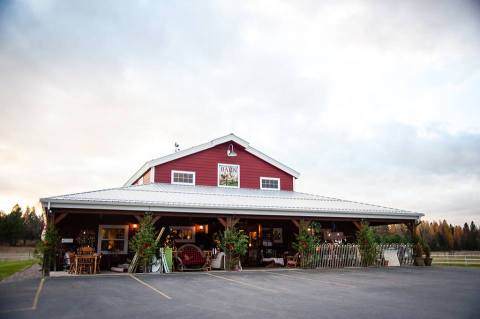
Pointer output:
216, 200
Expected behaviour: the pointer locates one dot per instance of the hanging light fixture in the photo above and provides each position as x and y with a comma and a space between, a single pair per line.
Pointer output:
230, 151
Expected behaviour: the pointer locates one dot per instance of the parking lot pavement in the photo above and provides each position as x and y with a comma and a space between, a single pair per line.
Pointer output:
360, 293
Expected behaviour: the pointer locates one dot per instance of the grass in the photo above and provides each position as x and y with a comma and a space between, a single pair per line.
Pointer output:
9, 267
455, 265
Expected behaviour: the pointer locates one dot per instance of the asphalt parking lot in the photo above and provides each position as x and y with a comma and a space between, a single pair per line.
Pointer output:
346, 293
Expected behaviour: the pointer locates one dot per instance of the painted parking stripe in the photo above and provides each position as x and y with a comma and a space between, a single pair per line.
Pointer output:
35, 300
37, 294
312, 279
151, 287
243, 283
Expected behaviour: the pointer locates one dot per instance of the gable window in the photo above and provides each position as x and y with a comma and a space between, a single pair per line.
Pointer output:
113, 239
271, 183
183, 178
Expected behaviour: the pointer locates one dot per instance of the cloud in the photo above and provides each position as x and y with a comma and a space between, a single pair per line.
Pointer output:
361, 97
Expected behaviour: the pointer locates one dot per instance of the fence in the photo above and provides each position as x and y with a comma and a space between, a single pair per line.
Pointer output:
348, 255
460, 258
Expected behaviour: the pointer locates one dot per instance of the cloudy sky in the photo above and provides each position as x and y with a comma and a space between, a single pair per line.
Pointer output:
371, 101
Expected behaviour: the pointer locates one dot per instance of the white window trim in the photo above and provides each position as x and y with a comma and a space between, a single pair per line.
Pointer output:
125, 243
218, 171
152, 175
183, 172
270, 178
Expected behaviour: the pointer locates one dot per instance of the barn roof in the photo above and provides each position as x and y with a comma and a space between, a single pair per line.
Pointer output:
160, 197
205, 146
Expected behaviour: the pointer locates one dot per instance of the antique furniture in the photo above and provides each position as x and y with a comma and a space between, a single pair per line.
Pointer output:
85, 250
293, 261
72, 269
190, 257
219, 261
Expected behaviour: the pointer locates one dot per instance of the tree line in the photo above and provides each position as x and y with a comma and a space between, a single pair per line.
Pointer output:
444, 236
440, 236
20, 225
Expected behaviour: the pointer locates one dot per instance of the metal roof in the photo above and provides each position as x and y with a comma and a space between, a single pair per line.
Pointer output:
161, 197
202, 147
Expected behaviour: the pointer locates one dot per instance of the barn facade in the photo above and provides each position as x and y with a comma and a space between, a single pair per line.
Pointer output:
198, 192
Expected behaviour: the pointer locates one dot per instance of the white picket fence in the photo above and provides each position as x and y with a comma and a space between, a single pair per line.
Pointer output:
348, 255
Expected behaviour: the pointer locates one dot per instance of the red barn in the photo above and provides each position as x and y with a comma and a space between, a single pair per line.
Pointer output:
198, 192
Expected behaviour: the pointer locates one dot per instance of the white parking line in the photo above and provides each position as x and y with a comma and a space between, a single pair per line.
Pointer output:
243, 283
151, 287
312, 279
35, 300
37, 294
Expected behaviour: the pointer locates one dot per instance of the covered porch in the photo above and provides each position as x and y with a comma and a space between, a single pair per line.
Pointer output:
270, 237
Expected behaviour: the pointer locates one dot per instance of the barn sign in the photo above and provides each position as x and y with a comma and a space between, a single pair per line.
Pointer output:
228, 175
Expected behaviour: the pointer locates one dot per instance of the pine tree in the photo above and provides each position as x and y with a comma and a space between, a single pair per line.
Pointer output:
14, 225
143, 243
33, 224
473, 237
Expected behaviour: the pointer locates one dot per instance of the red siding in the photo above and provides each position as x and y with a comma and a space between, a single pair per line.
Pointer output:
204, 164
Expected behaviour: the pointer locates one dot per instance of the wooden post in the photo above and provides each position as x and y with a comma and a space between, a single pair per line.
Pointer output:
358, 225
222, 221
296, 223
59, 218
228, 222
411, 227
231, 222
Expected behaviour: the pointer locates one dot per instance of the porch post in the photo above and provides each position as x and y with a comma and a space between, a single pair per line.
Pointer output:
357, 225
228, 222
411, 225
60, 217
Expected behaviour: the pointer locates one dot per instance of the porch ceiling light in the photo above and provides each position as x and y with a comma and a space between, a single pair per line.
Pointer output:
230, 151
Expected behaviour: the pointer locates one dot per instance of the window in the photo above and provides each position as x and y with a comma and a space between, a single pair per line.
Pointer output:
183, 234
183, 178
113, 239
228, 175
270, 183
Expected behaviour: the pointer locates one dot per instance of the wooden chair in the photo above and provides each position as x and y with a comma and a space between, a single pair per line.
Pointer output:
293, 261
73, 263
85, 250
85, 264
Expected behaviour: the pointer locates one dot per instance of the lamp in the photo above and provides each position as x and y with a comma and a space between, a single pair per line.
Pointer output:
230, 151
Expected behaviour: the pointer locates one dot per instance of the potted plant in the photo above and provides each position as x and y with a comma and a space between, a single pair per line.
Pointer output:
428, 260
144, 243
47, 248
235, 245
366, 245
418, 253
306, 242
